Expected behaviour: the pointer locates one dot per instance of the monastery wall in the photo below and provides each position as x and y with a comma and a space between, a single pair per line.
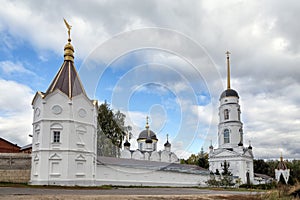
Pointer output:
15, 167
120, 175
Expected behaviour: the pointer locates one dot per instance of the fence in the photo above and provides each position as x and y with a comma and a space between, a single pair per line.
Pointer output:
15, 167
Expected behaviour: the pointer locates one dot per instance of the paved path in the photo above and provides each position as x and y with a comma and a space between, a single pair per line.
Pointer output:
115, 191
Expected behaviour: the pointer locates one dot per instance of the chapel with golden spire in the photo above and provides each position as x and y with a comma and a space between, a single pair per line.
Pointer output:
64, 129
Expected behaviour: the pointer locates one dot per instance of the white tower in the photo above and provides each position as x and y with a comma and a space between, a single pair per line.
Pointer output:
230, 137
230, 130
64, 130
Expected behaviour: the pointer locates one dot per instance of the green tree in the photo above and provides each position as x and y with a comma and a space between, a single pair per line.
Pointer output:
203, 160
200, 159
212, 181
294, 167
227, 178
192, 160
225, 168
111, 131
261, 167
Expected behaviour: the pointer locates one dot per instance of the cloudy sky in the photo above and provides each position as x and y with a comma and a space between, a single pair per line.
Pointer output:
165, 59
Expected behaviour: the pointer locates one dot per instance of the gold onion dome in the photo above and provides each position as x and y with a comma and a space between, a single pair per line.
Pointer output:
69, 51
147, 133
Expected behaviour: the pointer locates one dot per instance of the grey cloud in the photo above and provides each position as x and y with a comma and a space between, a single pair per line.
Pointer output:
264, 71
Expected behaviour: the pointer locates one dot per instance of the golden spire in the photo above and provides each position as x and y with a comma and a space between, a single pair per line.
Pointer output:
147, 126
228, 70
147, 122
167, 137
69, 50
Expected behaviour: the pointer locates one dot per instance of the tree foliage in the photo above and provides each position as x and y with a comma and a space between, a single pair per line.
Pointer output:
111, 131
200, 159
224, 179
225, 168
227, 178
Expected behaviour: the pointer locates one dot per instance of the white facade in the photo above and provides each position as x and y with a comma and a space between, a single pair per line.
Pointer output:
284, 172
230, 139
64, 131
240, 163
229, 119
159, 156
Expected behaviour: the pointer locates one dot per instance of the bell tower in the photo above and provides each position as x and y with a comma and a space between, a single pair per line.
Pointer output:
230, 137
230, 129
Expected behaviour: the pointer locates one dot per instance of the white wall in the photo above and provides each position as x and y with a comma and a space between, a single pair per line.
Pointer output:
72, 160
238, 166
120, 175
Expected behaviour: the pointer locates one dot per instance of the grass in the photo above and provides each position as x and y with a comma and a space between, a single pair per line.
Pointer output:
8, 184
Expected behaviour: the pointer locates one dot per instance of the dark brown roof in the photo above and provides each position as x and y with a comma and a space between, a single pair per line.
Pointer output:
67, 81
8, 147
281, 165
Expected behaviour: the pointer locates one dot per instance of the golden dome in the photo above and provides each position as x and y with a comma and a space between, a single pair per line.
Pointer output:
69, 51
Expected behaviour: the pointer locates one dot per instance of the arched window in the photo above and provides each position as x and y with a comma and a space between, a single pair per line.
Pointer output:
56, 129
241, 134
226, 136
226, 114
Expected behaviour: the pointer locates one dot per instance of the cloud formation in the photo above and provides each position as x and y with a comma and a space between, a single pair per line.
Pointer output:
15, 112
263, 37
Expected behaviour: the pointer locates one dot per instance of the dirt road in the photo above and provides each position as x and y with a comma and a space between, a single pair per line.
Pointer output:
26, 193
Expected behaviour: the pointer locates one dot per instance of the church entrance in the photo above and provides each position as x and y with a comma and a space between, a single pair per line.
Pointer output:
248, 178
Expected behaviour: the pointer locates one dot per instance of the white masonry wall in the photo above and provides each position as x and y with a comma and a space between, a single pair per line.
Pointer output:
120, 175
72, 160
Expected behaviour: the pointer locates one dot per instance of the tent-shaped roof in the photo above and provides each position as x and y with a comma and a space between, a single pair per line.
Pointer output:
67, 80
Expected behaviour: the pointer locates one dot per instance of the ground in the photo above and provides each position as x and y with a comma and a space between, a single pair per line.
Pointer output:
26, 193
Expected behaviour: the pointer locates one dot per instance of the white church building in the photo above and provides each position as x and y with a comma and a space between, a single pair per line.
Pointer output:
64, 146
147, 148
230, 138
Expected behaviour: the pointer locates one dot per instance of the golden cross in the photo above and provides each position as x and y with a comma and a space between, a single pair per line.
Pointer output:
227, 53
147, 124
